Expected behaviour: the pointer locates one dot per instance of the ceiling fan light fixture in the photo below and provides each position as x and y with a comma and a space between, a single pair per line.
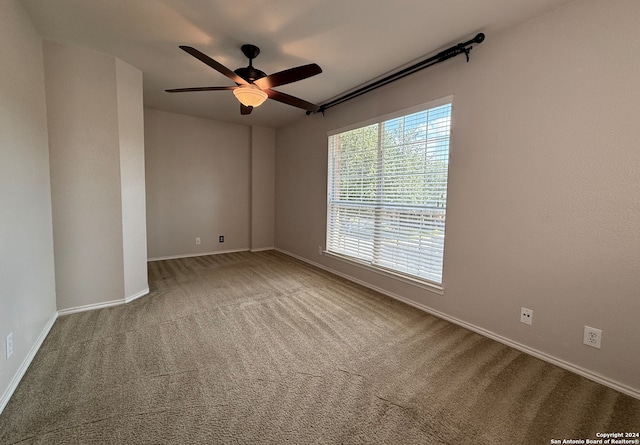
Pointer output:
250, 95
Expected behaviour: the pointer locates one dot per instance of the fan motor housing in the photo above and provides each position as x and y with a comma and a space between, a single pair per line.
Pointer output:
250, 74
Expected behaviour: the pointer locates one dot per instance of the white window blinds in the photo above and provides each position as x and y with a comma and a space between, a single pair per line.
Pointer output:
387, 193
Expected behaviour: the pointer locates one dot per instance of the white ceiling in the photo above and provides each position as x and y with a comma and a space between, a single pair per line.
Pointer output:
353, 41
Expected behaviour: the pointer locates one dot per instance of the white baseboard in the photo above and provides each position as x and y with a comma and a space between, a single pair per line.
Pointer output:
484, 332
262, 249
26, 362
90, 307
93, 307
193, 255
142, 293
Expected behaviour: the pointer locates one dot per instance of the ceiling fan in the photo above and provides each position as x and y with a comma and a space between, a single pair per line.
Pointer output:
253, 86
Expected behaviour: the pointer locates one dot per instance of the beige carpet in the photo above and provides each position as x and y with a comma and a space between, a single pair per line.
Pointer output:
260, 348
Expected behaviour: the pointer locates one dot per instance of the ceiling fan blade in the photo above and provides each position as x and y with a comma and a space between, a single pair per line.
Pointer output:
288, 76
184, 90
291, 100
245, 110
213, 64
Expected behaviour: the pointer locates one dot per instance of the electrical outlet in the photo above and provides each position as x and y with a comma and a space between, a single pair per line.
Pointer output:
319, 250
592, 337
10, 344
221, 238
526, 315
198, 241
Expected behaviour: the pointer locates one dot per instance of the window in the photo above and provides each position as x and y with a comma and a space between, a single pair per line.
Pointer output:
387, 192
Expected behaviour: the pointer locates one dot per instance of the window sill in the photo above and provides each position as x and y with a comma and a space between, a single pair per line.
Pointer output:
431, 287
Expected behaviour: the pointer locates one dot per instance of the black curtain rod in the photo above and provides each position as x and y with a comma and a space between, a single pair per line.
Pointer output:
460, 48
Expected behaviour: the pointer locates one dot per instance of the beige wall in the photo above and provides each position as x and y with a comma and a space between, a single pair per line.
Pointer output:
132, 186
94, 128
85, 171
198, 185
27, 287
263, 153
544, 183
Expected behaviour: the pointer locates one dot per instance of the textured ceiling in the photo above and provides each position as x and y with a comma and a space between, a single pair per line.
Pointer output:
352, 40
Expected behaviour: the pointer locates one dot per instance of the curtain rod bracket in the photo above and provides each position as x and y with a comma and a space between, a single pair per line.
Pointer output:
467, 51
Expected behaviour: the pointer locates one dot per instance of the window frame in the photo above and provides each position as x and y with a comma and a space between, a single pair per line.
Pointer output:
434, 286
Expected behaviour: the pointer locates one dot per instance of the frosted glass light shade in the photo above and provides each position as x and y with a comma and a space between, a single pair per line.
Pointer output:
250, 95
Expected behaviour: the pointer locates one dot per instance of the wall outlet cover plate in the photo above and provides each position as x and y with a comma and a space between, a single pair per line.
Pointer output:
592, 337
526, 315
